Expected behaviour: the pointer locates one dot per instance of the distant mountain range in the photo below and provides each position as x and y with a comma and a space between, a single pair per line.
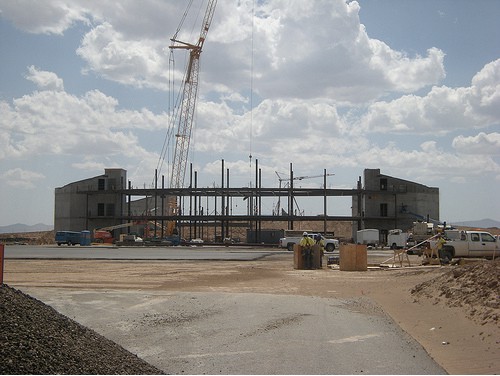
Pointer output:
19, 227
483, 223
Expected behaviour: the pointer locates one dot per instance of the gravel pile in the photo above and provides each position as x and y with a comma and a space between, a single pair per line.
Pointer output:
36, 339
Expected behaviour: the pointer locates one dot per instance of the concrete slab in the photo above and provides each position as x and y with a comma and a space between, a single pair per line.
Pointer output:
246, 333
140, 253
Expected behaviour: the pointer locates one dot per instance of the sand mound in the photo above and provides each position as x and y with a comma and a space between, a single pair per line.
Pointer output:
475, 287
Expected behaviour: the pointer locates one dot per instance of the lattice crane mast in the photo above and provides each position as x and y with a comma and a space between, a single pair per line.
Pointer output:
189, 96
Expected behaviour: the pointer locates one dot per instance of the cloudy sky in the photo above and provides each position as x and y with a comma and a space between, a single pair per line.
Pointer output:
410, 87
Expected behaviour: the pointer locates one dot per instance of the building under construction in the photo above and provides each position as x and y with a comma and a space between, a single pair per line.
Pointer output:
213, 213
110, 203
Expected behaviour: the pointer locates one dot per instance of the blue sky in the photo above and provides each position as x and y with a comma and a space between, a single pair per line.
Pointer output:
410, 87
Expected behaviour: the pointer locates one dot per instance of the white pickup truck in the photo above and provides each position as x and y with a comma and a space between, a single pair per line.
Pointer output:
288, 242
472, 244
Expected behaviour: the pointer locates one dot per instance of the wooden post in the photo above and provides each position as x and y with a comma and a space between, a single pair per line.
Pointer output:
316, 256
297, 257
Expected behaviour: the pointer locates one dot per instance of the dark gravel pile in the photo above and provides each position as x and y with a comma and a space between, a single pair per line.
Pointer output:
36, 339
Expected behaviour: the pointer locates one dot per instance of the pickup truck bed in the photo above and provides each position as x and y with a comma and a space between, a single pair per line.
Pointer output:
288, 242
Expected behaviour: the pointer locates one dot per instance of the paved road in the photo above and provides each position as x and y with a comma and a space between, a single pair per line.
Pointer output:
140, 253
154, 253
246, 333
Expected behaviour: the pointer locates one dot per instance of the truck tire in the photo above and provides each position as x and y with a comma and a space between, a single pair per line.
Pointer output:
394, 246
447, 255
330, 247
289, 247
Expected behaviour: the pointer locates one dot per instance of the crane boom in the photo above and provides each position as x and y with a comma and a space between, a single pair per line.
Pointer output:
189, 96
301, 177
278, 205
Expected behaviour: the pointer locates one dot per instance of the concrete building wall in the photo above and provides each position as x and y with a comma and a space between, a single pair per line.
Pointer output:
83, 205
390, 203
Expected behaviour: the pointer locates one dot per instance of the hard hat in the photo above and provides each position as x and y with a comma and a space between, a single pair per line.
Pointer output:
304, 233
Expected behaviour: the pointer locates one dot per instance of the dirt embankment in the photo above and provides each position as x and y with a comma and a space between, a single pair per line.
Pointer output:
473, 287
31, 238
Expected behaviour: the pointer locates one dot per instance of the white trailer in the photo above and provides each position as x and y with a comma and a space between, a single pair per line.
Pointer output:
369, 236
396, 239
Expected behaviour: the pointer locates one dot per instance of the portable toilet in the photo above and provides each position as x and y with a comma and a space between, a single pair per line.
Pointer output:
85, 238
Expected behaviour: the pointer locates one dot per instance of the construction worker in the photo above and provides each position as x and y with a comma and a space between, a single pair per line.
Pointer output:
321, 243
306, 244
439, 246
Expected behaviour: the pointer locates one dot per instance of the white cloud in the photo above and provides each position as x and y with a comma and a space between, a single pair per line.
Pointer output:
405, 74
300, 49
20, 178
430, 163
43, 17
273, 126
482, 144
442, 110
485, 93
145, 18
140, 63
45, 80
90, 165
317, 49
53, 122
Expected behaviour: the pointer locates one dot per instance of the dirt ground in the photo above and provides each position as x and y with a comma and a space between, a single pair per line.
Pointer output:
462, 335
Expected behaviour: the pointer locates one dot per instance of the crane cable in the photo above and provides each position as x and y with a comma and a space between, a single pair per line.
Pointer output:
172, 103
183, 19
251, 89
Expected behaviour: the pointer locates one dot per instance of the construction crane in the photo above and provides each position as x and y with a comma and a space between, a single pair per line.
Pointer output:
189, 96
278, 207
186, 112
